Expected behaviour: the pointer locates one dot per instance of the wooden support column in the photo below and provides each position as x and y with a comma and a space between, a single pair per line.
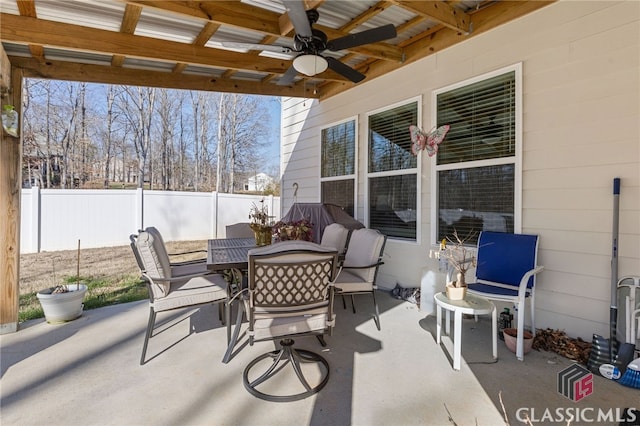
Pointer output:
10, 188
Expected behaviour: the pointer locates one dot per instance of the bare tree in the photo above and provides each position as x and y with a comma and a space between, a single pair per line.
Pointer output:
240, 138
137, 107
167, 106
143, 134
107, 141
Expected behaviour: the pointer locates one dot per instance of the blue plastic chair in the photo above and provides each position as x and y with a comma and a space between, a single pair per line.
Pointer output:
506, 271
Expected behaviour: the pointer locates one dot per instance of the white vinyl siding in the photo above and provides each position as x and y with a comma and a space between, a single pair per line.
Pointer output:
580, 112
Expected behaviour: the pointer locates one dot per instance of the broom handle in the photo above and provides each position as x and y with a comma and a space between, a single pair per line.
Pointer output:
614, 252
613, 312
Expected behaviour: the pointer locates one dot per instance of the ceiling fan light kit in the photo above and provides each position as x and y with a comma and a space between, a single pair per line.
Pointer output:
310, 43
310, 65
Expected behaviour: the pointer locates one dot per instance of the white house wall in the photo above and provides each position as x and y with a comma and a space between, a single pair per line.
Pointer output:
581, 115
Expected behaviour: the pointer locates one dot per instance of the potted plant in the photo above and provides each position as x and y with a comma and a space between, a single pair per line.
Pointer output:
260, 223
62, 303
298, 230
460, 258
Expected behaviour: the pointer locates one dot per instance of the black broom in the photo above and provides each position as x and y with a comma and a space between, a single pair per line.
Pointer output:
604, 351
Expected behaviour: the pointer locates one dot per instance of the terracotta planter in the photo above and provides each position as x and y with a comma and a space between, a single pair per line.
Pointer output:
62, 307
456, 293
510, 339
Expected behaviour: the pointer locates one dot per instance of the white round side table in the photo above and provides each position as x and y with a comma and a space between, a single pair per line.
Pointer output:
472, 305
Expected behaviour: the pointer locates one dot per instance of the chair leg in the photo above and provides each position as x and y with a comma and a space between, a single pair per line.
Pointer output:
353, 304
377, 312
320, 338
286, 354
149, 332
231, 344
533, 315
520, 339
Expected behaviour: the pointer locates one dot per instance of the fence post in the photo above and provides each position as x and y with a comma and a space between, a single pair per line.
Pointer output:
139, 211
34, 220
270, 201
214, 214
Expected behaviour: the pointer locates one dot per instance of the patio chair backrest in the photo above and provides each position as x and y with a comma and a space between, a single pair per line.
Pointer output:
291, 274
161, 247
505, 258
239, 230
335, 235
155, 260
365, 248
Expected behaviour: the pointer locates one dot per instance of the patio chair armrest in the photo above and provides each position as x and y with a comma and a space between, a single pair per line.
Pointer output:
187, 252
188, 262
176, 279
525, 279
237, 295
363, 266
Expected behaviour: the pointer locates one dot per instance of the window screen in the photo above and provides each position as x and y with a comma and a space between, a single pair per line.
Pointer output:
389, 139
393, 189
476, 163
482, 120
339, 192
337, 168
392, 206
338, 149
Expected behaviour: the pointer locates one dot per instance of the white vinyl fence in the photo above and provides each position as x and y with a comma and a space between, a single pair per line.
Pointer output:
55, 219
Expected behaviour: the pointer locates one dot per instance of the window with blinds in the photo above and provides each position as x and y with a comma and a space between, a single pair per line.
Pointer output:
393, 172
338, 165
476, 165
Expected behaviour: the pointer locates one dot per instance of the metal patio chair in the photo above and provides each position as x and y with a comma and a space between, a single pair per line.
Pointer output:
506, 271
290, 295
173, 287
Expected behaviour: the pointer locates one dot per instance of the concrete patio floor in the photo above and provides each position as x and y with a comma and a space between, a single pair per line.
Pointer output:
87, 372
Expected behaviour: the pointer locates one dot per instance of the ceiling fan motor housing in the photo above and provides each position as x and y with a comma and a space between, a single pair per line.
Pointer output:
311, 45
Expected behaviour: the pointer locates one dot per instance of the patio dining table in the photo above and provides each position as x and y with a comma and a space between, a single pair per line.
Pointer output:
230, 254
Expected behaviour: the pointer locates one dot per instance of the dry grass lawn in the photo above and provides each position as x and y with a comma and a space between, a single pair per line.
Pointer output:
46, 269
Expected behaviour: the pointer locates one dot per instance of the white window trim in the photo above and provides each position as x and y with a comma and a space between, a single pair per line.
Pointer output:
516, 159
417, 170
353, 176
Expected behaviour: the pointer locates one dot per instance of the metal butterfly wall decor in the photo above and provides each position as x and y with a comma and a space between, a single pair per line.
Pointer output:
427, 140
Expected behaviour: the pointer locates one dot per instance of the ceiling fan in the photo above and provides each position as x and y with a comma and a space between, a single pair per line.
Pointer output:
309, 43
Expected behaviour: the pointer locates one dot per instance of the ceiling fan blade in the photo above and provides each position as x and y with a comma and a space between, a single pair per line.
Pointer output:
287, 77
256, 46
345, 70
373, 35
298, 17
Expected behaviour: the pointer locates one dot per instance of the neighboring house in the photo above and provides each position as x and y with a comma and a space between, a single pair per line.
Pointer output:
258, 182
544, 113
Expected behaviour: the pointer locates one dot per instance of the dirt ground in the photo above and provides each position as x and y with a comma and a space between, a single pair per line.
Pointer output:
46, 269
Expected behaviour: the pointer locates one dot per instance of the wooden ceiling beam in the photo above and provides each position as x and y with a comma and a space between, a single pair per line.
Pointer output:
62, 70
28, 8
232, 13
366, 15
5, 72
203, 37
25, 30
254, 18
128, 26
484, 20
440, 11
